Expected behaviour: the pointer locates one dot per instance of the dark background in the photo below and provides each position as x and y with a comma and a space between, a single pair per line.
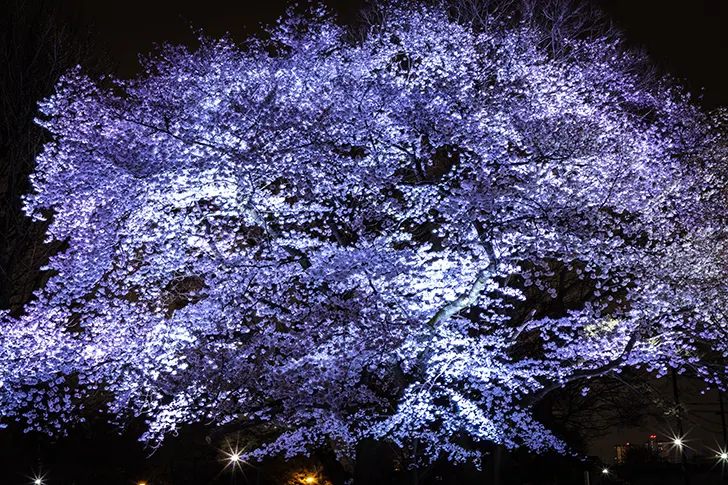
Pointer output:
687, 38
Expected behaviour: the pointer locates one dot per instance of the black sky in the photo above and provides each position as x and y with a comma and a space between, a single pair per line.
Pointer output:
687, 38
132, 27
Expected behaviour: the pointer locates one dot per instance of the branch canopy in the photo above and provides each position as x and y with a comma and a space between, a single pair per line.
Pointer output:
413, 236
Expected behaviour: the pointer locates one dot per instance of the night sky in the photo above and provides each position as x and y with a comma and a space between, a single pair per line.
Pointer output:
132, 27
688, 38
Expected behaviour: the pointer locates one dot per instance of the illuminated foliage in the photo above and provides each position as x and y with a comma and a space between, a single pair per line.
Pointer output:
415, 236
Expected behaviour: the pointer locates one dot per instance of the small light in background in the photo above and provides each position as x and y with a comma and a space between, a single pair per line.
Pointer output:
310, 475
679, 442
38, 479
721, 454
234, 457
605, 471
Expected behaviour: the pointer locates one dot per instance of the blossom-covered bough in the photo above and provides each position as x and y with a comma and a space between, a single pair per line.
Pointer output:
414, 236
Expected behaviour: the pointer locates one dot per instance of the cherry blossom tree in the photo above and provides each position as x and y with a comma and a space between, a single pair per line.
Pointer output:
38, 43
414, 236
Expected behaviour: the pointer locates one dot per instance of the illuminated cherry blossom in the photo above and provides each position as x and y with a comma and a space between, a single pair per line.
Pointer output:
414, 236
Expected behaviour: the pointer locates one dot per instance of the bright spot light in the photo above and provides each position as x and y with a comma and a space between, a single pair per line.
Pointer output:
309, 480
723, 456
678, 442
37, 478
233, 457
141, 483
605, 471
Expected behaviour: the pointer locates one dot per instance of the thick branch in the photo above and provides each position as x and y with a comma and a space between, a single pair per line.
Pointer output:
471, 297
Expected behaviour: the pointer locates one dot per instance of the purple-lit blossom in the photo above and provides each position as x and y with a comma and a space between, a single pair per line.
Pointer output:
414, 236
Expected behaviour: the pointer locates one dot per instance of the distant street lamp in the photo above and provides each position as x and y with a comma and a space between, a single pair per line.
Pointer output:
233, 457
722, 456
